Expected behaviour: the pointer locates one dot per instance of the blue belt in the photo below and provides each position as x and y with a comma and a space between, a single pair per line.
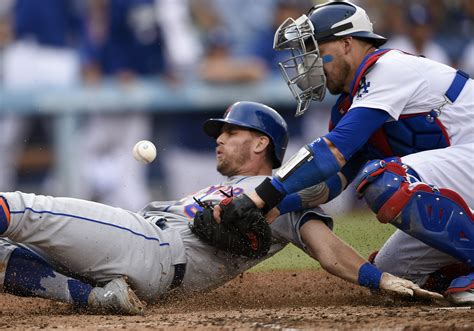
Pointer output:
460, 79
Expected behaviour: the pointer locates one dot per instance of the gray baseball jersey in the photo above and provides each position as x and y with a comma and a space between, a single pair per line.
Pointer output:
206, 266
98, 242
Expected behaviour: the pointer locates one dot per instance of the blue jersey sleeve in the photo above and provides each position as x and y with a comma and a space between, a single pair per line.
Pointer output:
355, 129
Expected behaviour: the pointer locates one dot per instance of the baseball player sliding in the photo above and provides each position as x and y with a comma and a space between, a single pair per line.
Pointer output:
391, 104
155, 249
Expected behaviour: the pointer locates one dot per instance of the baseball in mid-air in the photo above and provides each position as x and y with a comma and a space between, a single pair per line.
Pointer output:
144, 151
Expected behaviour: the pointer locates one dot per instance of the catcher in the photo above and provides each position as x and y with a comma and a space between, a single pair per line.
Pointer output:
170, 245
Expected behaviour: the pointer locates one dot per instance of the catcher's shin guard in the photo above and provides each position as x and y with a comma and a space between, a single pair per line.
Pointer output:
461, 290
438, 217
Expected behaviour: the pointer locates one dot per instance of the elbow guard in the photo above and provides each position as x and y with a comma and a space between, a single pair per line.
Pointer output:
312, 164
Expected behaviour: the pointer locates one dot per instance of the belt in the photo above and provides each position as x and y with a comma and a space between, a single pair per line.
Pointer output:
460, 79
179, 271
161, 223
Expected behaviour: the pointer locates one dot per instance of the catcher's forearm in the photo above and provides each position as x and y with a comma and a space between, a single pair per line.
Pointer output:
313, 196
312, 164
323, 192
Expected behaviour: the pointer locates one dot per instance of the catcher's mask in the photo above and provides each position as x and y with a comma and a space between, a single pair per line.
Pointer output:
256, 116
303, 71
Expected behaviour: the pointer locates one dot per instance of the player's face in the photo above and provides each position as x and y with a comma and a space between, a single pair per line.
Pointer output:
338, 69
233, 150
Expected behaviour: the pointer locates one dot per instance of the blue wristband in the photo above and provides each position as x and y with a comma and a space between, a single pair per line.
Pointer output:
292, 202
334, 185
369, 276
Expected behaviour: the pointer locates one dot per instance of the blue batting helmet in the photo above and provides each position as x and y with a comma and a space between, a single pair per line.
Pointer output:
256, 116
340, 18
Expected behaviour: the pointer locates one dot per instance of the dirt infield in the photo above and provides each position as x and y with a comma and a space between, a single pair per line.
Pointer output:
277, 300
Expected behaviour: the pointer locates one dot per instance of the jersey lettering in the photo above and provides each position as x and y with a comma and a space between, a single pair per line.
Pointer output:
210, 194
363, 88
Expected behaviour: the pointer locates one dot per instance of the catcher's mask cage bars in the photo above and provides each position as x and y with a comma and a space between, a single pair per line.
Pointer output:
297, 36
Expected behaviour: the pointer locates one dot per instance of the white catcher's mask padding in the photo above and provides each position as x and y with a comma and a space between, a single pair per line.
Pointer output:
312, 75
303, 71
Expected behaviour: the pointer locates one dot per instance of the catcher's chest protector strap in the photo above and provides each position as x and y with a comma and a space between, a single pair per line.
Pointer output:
438, 217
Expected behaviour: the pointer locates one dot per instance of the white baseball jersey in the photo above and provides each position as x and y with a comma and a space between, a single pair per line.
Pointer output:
401, 84
98, 242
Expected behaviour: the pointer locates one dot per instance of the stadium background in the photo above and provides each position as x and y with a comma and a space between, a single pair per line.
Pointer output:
87, 79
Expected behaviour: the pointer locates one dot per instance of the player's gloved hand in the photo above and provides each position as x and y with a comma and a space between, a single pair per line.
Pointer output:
393, 284
233, 210
249, 237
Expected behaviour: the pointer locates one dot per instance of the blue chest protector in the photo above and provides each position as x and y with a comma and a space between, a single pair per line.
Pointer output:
410, 134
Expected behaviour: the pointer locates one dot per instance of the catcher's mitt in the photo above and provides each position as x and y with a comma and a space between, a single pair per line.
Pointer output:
249, 237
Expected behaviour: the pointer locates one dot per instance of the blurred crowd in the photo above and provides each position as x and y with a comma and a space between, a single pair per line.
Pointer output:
62, 43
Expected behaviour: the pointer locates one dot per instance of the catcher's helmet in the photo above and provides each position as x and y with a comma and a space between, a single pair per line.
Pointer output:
256, 116
335, 19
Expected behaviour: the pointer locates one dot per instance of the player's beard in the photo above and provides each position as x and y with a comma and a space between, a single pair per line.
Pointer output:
231, 163
336, 82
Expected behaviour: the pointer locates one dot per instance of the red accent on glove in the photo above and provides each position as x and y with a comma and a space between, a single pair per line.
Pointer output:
372, 256
226, 201
253, 241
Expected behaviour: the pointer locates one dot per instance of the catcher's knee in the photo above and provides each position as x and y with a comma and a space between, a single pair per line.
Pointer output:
439, 217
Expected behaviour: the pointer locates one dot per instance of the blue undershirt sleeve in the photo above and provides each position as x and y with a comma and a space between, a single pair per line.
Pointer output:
292, 202
355, 129
352, 167
334, 185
